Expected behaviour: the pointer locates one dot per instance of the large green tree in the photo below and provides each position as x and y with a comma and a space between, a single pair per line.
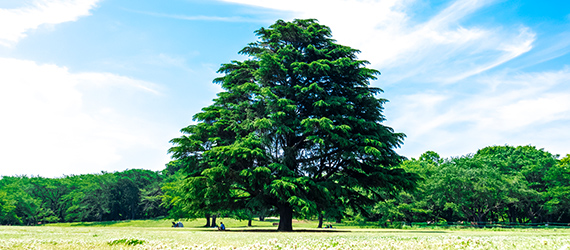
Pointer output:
297, 128
526, 167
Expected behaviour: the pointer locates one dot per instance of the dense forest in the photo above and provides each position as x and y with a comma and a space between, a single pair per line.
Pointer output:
499, 183
131, 194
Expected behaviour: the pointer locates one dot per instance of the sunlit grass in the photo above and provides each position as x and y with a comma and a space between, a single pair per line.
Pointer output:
126, 235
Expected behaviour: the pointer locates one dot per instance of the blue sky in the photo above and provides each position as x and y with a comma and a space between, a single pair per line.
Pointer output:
103, 85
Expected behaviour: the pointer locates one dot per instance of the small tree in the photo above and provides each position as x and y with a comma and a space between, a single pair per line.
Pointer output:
297, 128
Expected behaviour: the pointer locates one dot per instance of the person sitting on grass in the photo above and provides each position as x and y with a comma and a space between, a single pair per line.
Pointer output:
222, 226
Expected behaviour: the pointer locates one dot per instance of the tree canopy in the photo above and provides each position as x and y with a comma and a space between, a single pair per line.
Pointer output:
504, 184
298, 128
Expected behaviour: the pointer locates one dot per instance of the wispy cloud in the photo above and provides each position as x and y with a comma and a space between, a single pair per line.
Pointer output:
17, 22
199, 17
113, 81
547, 48
507, 52
505, 109
397, 44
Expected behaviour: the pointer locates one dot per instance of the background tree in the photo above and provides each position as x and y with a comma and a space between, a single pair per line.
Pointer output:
469, 189
17, 207
499, 183
413, 205
526, 168
91, 201
174, 198
52, 192
91, 197
558, 194
297, 128
151, 201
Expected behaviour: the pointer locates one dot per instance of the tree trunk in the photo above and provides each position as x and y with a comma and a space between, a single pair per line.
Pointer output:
133, 212
214, 220
285, 218
249, 223
207, 220
320, 221
262, 214
339, 220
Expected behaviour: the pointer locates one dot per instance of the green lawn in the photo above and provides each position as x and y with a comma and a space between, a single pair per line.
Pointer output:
158, 234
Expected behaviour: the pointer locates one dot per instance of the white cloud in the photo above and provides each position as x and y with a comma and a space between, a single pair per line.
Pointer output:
401, 48
45, 121
106, 79
506, 109
547, 108
17, 22
57, 122
199, 17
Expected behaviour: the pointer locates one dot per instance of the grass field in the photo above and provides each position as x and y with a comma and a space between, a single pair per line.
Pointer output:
158, 234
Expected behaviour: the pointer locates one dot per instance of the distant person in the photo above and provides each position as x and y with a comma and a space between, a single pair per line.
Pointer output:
222, 226
177, 224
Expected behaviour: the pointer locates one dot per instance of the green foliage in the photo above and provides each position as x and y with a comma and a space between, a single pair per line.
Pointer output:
91, 197
52, 193
499, 183
297, 128
92, 200
17, 207
558, 195
529, 161
468, 188
151, 201
174, 197
8, 209
128, 242
526, 168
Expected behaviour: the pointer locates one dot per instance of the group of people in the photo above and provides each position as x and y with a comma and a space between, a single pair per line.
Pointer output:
222, 227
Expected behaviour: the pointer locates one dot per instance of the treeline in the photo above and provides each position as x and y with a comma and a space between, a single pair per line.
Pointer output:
500, 184
504, 184
130, 194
